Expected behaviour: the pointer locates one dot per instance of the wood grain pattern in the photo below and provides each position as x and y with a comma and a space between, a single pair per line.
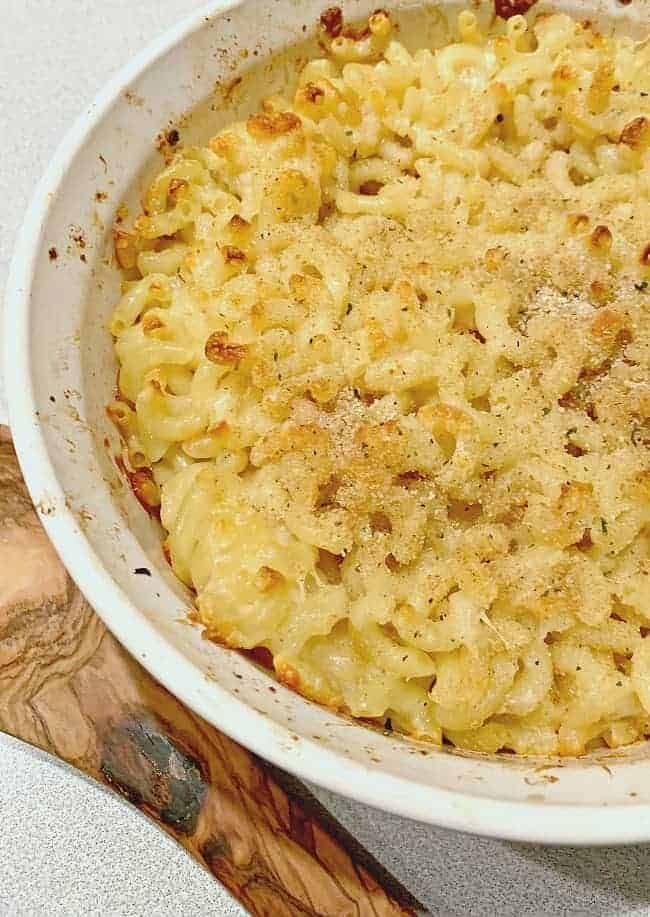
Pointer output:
67, 686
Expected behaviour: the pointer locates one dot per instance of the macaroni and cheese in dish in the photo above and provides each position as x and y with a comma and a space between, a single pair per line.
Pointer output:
384, 356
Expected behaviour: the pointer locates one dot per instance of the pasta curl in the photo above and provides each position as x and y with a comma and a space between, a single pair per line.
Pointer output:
385, 349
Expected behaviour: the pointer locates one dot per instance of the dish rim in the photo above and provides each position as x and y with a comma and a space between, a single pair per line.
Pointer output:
459, 810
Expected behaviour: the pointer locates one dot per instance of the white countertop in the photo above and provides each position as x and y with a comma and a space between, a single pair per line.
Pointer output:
69, 847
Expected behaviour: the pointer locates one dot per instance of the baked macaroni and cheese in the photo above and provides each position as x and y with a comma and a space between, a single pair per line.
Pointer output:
384, 356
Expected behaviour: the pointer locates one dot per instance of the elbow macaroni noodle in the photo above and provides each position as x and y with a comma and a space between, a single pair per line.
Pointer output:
384, 352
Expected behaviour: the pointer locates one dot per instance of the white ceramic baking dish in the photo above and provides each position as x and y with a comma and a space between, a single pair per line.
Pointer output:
60, 374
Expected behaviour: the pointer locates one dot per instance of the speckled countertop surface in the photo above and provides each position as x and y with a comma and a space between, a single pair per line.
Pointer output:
70, 848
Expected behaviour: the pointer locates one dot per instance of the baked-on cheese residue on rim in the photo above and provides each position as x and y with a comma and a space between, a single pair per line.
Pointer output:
384, 359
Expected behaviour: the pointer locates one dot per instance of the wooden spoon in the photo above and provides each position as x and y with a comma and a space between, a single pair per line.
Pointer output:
67, 686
